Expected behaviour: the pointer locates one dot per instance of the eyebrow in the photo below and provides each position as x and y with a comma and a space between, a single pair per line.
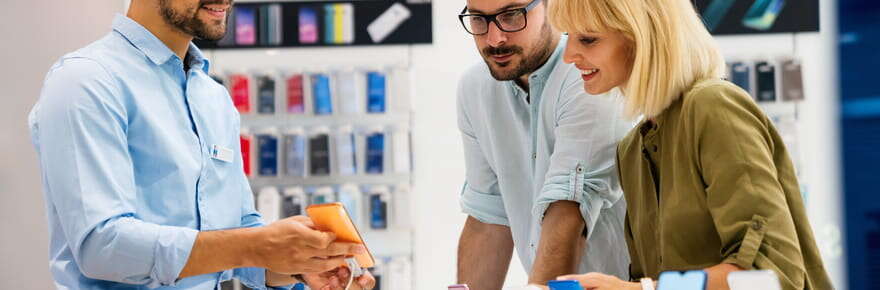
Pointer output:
504, 8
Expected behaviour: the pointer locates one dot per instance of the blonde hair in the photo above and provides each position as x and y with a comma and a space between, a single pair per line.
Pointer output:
671, 47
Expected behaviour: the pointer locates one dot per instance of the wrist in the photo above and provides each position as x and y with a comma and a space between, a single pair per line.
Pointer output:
251, 242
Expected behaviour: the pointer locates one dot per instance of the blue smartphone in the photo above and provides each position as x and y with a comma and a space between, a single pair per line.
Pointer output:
690, 280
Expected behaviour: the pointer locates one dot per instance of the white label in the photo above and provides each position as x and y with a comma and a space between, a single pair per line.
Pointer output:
222, 153
386, 23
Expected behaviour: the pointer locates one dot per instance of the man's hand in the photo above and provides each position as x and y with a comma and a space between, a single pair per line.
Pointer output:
337, 279
293, 246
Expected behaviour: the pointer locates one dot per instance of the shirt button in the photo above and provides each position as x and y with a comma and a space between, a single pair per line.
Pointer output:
580, 169
534, 155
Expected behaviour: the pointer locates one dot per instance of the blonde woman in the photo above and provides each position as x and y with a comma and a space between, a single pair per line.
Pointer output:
707, 179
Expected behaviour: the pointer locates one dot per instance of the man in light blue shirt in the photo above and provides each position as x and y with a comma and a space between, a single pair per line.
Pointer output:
539, 152
142, 170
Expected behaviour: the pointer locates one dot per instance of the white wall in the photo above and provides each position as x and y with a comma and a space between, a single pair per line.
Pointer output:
36, 34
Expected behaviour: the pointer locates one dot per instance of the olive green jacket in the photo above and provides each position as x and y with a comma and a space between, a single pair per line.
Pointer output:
709, 181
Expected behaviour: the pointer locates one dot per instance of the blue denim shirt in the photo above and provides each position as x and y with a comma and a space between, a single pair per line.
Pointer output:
124, 137
522, 155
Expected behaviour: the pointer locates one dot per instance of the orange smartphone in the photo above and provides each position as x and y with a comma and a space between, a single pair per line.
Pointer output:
332, 217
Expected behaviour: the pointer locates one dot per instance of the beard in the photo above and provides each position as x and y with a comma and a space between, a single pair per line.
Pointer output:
187, 20
529, 63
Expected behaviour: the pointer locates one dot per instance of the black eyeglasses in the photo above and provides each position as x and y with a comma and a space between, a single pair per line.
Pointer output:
512, 20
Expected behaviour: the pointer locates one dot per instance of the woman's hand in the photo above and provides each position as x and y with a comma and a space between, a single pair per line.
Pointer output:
599, 281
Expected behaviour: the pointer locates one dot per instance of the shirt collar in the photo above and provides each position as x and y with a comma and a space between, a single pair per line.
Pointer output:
151, 46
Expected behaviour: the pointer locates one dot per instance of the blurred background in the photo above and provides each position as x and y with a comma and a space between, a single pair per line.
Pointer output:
393, 86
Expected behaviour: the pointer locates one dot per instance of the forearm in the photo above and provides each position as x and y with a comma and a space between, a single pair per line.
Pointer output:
216, 251
562, 242
484, 252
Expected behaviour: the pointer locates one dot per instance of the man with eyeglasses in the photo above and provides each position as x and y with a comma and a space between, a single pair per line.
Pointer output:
539, 151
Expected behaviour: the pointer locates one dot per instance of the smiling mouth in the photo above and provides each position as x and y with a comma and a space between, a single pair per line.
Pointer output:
589, 72
216, 10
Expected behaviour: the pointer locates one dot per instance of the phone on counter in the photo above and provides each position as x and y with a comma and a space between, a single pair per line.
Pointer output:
753, 280
459, 287
332, 217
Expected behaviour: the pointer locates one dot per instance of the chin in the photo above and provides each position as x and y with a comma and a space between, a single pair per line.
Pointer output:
595, 90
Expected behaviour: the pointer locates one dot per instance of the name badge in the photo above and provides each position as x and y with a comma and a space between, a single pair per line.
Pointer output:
221, 153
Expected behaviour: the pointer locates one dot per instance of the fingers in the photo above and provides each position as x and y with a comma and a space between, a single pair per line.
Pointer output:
320, 265
317, 239
367, 281
343, 249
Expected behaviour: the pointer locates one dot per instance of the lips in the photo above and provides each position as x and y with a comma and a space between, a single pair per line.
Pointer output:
215, 10
588, 74
501, 58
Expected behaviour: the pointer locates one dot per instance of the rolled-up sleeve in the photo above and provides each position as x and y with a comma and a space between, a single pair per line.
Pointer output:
480, 196
80, 132
582, 164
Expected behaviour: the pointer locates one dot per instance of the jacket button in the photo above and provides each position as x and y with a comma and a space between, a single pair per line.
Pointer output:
756, 226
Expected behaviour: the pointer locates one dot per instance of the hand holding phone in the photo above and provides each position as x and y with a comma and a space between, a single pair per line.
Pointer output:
332, 217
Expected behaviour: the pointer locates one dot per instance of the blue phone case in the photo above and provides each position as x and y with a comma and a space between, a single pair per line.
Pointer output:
378, 212
376, 93
268, 160
375, 153
321, 92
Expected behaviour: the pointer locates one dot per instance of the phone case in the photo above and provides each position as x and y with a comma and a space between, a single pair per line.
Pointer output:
792, 81
766, 81
268, 158
308, 25
245, 26
690, 280
334, 218
376, 92
295, 100
319, 155
266, 95
246, 141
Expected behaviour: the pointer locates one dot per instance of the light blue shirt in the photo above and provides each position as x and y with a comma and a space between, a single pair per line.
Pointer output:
124, 137
522, 156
